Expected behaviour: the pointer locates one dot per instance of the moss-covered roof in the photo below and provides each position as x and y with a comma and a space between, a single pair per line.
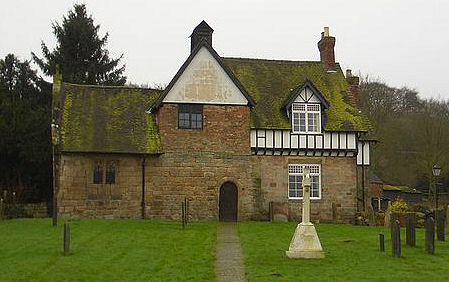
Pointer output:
405, 189
108, 119
269, 82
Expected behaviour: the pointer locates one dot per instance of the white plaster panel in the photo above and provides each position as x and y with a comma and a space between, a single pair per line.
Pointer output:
205, 81
305, 95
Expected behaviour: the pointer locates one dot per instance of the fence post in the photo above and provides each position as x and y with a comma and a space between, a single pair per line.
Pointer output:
396, 239
382, 242
66, 238
270, 211
187, 211
183, 215
430, 235
441, 222
410, 229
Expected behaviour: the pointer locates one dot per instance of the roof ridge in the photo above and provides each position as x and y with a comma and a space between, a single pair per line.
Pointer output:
111, 86
270, 60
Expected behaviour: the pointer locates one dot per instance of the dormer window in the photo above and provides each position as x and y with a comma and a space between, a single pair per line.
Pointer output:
306, 118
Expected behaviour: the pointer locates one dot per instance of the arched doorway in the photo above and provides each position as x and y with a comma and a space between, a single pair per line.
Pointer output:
228, 202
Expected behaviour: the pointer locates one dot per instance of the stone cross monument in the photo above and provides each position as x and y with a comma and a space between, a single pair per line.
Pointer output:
305, 242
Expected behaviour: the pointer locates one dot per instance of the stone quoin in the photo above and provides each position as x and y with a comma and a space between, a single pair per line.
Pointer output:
231, 135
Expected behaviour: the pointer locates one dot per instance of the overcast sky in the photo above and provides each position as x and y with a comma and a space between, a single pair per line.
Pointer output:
400, 42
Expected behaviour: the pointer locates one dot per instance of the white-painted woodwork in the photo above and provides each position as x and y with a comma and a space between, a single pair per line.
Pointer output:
334, 143
307, 95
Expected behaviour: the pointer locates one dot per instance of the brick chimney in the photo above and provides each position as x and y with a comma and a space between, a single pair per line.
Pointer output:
353, 82
326, 46
201, 32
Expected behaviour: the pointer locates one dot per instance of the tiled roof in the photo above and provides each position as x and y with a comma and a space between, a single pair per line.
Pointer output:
270, 82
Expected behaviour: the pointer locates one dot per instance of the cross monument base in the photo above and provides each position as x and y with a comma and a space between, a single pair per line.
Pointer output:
305, 243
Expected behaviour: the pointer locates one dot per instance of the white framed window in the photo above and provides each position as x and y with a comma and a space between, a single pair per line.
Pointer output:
306, 118
295, 174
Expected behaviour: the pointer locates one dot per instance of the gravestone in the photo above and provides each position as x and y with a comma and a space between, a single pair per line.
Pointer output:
382, 242
370, 215
305, 242
410, 229
447, 219
430, 235
441, 222
395, 238
387, 215
66, 238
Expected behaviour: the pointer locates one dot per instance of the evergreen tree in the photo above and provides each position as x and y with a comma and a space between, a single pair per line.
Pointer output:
25, 149
80, 52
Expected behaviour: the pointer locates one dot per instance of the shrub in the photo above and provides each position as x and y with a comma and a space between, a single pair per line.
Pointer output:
399, 206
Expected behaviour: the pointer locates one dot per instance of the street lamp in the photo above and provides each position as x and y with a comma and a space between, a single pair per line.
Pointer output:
436, 170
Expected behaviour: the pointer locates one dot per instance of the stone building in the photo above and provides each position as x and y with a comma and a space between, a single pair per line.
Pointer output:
230, 135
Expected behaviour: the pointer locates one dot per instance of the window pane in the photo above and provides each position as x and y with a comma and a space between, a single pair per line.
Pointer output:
190, 116
197, 120
98, 174
110, 174
302, 121
313, 122
315, 193
184, 120
296, 122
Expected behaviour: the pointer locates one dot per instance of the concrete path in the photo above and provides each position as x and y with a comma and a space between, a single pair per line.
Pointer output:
229, 265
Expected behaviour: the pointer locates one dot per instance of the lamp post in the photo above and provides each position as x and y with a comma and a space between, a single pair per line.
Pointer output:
436, 170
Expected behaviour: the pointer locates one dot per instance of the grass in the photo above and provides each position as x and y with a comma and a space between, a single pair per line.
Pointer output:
351, 255
107, 250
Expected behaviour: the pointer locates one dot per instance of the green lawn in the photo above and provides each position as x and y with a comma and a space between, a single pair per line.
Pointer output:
351, 255
107, 250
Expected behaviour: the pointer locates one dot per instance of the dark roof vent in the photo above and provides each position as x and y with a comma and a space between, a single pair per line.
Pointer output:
201, 32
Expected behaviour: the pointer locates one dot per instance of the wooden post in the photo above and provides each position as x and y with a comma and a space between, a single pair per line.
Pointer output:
183, 215
66, 238
396, 239
430, 235
441, 222
382, 242
410, 229
187, 210
270, 211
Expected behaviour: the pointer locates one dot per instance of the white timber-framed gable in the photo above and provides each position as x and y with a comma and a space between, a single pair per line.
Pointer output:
305, 108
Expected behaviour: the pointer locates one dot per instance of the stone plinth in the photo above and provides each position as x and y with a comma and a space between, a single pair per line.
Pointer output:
305, 243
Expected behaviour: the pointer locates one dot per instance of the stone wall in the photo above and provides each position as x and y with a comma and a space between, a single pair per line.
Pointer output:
34, 210
338, 184
79, 197
198, 177
225, 129
194, 165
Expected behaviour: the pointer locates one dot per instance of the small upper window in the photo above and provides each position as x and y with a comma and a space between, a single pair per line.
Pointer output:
110, 173
98, 173
190, 116
306, 118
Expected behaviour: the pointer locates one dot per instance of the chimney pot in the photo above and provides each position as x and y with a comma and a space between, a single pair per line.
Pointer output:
326, 31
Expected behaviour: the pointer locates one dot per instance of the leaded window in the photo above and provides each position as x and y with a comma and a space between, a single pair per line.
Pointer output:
306, 118
190, 116
110, 173
98, 173
295, 175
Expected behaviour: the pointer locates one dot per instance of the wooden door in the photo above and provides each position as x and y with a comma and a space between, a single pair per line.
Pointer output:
228, 202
